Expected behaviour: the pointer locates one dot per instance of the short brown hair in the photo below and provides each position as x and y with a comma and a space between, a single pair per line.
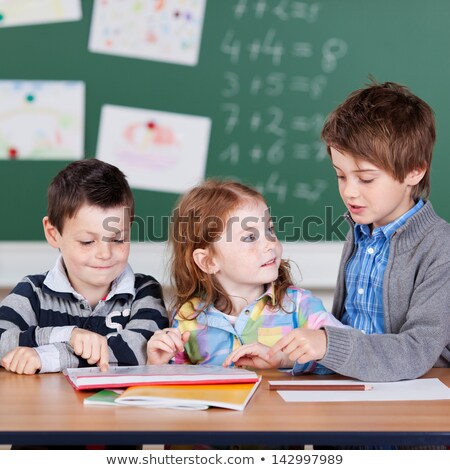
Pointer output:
388, 126
198, 220
91, 182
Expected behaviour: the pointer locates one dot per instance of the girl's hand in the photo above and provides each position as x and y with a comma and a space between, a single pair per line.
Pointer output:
255, 355
22, 360
165, 344
301, 345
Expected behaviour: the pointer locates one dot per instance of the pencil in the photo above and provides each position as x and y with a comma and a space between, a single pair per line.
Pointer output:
297, 386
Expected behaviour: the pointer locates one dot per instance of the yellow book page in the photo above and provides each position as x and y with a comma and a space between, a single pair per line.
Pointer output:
224, 395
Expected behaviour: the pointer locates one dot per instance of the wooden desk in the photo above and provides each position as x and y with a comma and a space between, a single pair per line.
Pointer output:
44, 409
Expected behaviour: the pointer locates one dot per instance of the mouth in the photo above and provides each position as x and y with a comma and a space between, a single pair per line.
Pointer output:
271, 262
355, 208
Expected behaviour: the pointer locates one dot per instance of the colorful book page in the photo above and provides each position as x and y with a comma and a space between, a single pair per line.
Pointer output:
231, 396
161, 30
28, 12
41, 120
156, 150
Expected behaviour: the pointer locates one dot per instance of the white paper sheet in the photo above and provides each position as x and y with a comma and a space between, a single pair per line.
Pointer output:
162, 30
41, 120
156, 150
407, 390
28, 12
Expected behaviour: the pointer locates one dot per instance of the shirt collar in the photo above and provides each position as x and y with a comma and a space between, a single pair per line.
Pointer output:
362, 231
57, 281
270, 292
188, 310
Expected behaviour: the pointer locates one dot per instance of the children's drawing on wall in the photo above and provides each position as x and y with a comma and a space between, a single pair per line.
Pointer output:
157, 150
161, 30
41, 120
28, 12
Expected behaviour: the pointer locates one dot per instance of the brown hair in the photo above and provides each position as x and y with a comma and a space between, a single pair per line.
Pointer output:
388, 126
198, 220
91, 182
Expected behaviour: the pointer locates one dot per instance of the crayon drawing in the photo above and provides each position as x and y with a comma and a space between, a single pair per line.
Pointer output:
156, 150
161, 30
41, 120
28, 12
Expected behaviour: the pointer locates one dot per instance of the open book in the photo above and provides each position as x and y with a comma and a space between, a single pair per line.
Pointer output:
167, 374
187, 397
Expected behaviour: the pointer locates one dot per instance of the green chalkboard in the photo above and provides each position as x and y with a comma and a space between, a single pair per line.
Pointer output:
268, 73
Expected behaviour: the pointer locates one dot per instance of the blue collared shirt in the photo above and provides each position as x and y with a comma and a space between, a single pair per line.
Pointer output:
364, 274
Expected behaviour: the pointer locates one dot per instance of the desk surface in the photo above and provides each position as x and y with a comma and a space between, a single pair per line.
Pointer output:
44, 409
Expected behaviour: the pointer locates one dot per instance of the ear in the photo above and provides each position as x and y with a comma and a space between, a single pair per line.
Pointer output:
414, 177
51, 233
204, 261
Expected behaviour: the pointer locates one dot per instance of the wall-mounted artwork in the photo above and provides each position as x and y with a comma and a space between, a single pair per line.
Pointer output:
156, 150
41, 120
161, 30
28, 12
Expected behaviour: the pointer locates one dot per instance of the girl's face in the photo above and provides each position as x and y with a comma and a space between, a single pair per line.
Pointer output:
247, 256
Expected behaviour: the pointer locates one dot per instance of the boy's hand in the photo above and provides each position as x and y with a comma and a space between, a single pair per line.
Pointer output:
301, 345
90, 346
22, 360
255, 355
165, 344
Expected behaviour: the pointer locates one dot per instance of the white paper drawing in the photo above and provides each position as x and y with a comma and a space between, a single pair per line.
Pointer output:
161, 30
28, 12
156, 150
41, 120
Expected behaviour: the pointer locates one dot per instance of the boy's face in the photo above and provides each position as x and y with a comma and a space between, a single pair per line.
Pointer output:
372, 196
95, 247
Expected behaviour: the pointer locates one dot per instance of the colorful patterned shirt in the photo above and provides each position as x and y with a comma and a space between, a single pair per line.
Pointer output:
213, 337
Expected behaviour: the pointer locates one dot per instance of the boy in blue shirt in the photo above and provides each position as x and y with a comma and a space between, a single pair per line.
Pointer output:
393, 285
90, 308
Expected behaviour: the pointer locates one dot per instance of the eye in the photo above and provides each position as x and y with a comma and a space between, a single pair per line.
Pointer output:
340, 177
249, 238
86, 243
366, 181
119, 241
271, 229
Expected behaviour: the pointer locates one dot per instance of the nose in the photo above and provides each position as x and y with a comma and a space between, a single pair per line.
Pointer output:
349, 189
270, 240
103, 250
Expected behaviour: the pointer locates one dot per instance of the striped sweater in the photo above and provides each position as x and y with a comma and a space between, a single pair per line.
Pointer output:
42, 310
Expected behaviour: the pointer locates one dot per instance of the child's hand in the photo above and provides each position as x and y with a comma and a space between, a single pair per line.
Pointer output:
301, 345
22, 360
255, 355
90, 346
164, 344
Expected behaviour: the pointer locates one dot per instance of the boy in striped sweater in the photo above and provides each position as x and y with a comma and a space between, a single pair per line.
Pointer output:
90, 308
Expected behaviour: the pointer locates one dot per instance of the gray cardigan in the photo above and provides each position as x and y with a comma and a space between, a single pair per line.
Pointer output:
416, 302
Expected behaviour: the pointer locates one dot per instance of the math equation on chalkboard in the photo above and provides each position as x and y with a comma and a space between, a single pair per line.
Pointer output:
277, 68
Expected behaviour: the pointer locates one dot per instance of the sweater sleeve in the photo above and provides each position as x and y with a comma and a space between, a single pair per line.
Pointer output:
19, 327
18, 320
406, 354
148, 314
